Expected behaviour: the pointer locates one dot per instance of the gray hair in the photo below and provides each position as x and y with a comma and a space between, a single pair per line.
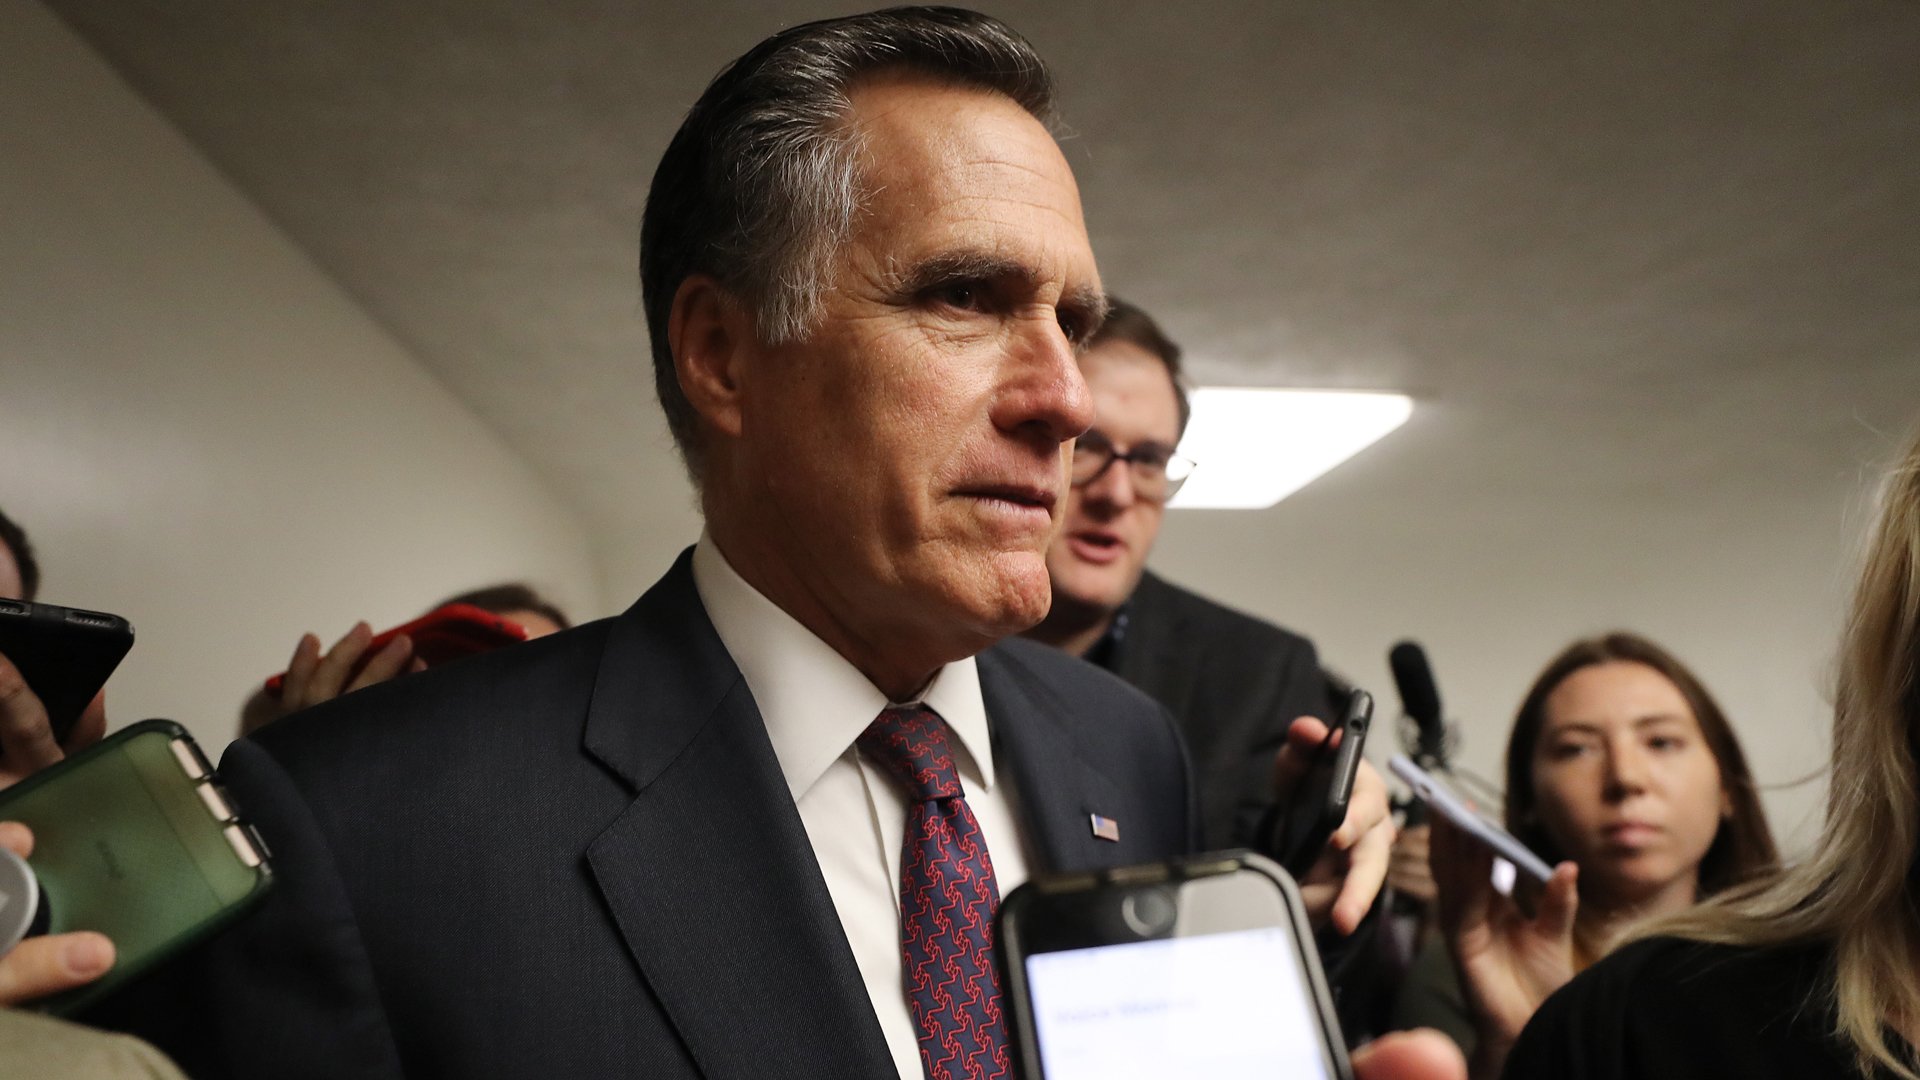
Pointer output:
759, 187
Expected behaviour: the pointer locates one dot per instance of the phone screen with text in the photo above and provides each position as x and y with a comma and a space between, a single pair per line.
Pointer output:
1226, 1006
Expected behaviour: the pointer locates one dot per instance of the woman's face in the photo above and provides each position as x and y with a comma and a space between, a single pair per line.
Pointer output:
1626, 785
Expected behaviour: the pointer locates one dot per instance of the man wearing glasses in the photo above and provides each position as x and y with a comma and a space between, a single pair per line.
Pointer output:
1234, 683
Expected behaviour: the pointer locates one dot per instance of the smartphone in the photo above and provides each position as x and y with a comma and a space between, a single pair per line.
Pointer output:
134, 838
1202, 966
443, 634
64, 654
1455, 809
1298, 833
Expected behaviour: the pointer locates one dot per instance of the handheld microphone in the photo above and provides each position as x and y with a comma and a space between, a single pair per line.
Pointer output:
1413, 677
1426, 738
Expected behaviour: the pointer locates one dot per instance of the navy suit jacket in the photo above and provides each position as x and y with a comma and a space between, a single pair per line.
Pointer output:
578, 858
1235, 684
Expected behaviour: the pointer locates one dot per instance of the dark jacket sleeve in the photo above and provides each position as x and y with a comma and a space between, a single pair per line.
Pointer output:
288, 992
1300, 690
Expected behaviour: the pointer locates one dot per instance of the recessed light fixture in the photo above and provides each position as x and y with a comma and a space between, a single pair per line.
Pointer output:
1256, 447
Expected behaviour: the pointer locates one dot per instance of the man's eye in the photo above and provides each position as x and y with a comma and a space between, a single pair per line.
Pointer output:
964, 295
1091, 446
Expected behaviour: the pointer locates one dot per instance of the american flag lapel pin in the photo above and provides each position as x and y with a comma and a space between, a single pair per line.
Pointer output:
1105, 828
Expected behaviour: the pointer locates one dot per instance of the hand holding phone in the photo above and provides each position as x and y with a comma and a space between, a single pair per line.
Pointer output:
1437, 795
132, 839
443, 634
362, 658
1509, 960
63, 656
1198, 967
1318, 804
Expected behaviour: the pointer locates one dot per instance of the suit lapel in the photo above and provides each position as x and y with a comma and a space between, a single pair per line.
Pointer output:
709, 873
1057, 790
1158, 654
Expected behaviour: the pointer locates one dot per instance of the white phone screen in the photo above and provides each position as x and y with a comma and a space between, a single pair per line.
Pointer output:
1226, 1006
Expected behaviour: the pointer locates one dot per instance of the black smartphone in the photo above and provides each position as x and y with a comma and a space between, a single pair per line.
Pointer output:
1299, 831
64, 654
133, 837
1203, 966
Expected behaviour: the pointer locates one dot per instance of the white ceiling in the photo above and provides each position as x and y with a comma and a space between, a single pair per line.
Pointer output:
1625, 247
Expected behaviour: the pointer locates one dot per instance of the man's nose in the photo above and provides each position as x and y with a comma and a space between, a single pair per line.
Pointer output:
1045, 394
1113, 488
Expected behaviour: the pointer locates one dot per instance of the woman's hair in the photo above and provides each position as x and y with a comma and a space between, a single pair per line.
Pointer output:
512, 596
1743, 848
14, 539
1858, 890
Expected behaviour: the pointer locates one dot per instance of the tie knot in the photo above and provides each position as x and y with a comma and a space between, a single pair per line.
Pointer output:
911, 745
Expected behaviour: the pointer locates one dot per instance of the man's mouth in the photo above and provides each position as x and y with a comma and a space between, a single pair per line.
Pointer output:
1017, 500
1096, 545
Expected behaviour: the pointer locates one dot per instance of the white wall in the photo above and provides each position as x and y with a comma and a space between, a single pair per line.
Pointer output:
200, 430
1746, 586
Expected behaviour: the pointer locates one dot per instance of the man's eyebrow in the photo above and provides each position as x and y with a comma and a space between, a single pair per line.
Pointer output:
1087, 306
1085, 303
951, 266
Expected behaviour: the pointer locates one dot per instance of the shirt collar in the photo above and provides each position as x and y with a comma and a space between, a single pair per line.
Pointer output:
1106, 651
815, 703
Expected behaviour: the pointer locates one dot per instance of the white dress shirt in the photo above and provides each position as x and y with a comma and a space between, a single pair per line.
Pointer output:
815, 704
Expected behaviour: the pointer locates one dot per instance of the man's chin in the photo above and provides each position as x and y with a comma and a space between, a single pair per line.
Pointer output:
1093, 589
1018, 596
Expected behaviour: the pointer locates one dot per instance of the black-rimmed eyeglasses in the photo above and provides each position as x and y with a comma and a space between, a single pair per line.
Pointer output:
1156, 470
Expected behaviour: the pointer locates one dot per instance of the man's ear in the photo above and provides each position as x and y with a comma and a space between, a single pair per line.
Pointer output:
711, 335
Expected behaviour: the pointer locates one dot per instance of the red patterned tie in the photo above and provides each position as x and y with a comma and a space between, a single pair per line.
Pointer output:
947, 900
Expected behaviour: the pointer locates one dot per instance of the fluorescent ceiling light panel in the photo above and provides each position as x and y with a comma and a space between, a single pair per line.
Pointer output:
1256, 447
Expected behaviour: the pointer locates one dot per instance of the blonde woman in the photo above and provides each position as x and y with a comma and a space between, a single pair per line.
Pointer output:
1817, 973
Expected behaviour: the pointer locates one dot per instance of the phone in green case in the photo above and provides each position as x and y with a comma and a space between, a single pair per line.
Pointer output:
135, 839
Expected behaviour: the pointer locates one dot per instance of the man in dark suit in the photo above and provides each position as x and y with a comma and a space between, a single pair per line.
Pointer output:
702, 839
1234, 683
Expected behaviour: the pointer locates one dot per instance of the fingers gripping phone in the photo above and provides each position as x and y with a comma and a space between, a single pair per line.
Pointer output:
134, 839
1200, 967
443, 634
1450, 806
1300, 830
64, 654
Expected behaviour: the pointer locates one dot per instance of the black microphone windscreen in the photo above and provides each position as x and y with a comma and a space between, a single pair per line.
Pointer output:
1414, 679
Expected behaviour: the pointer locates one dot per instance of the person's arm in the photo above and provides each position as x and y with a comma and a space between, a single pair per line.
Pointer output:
32, 1045
1508, 963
